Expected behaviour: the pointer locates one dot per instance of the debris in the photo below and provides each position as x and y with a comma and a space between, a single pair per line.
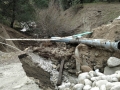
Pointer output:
60, 73
38, 68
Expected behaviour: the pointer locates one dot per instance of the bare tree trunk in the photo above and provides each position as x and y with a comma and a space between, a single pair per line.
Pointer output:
108, 1
81, 1
13, 14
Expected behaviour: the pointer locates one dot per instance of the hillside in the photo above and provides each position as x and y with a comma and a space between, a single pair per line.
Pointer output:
76, 19
34, 65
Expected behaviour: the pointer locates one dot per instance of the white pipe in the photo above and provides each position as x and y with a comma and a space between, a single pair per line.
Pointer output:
29, 39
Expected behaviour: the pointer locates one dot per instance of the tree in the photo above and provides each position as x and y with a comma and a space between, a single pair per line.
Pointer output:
41, 3
91, 1
108, 1
20, 10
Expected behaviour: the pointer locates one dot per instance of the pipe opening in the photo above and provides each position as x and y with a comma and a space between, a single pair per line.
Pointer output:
118, 45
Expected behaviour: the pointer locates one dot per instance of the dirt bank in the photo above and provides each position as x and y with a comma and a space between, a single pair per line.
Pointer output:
66, 22
57, 22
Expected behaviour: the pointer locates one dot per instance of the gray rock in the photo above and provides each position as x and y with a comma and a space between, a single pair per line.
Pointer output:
109, 71
113, 86
101, 82
113, 62
82, 77
95, 88
103, 87
87, 87
116, 87
88, 82
78, 87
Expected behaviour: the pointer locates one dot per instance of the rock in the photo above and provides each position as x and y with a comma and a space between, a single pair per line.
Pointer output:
67, 89
95, 78
115, 79
118, 75
94, 84
95, 88
98, 73
103, 87
61, 87
101, 82
67, 84
116, 87
87, 82
64, 86
92, 73
109, 71
82, 77
110, 85
113, 62
85, 68
87, 87
110, 78
78, 87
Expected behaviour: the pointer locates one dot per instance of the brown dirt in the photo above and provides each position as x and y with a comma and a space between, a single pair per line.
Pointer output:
96, 57
56, 22
80, 21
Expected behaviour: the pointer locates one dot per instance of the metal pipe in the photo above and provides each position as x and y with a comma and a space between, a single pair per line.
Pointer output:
102, 43
15, 39
54, 39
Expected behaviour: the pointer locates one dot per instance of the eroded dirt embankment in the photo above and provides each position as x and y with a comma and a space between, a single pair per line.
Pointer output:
56, 22
95, 57
55, 52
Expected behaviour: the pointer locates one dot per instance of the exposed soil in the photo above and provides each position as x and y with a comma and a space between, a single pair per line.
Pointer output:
69, 20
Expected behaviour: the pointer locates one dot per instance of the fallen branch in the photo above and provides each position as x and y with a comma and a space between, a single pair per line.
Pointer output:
60, 73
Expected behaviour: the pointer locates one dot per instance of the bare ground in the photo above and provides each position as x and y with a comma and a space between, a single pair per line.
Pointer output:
80, 21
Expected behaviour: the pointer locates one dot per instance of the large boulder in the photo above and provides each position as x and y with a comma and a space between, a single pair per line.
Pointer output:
109, 71
113, 62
